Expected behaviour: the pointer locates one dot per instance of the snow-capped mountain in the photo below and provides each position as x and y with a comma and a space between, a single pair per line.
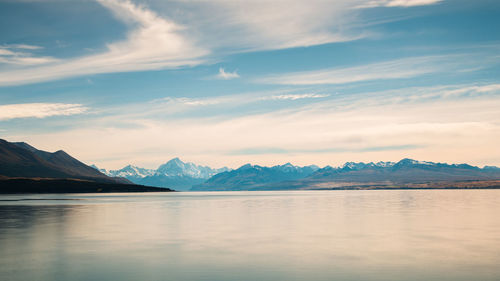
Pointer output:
356, 166
130, 171
175, 173
384, 164
361, 165
179, 175
403, 172
177, 168
289, 168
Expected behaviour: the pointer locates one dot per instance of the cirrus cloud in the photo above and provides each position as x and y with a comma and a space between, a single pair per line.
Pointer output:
296, 96
173, 34
152, 43
393, 69
39, 110
17, 54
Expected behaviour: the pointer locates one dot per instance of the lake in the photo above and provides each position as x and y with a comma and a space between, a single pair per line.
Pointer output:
284, 235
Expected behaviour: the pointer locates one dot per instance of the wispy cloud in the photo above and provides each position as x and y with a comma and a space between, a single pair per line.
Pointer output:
470, 90
408, 3
17, 55
187, 33
394, 69
6, 52
152, 43
277, 150
396, 3
241, 25
229, 106
191, 101
295, 96
226, 75
410, 122
23, 46
26, 60
39, 110
175, 105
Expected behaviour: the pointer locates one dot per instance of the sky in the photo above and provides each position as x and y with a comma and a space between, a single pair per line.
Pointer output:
225, 83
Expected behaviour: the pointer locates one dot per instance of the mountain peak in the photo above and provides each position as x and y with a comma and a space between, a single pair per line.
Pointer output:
175, 160
172, 163
129, 171
408, 161
356, 166
385, 164
246, 166
177, 168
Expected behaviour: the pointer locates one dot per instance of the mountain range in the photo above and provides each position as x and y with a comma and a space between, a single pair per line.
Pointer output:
406, 173
249, 176
173, 174
24, 168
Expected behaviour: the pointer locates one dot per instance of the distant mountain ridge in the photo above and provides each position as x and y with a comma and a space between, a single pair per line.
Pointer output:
173, 174
249, 176
179, 175
405, 173
127, 171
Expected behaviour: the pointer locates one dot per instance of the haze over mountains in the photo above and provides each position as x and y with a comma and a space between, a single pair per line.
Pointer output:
23, 166
406, 173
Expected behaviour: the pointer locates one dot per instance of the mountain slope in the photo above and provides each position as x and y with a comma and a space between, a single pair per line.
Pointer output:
16, 161
253, 176
21, 160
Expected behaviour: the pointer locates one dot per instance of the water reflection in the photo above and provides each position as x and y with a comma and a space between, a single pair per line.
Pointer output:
323, 235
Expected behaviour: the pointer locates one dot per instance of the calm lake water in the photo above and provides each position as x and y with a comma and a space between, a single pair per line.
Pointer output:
286, 235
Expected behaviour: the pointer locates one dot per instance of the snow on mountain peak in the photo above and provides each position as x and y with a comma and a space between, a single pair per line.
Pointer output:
408, 161
384, 164
177, 168
130, 171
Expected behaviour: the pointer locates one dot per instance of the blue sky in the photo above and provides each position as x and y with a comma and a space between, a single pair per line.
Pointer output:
224, 83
